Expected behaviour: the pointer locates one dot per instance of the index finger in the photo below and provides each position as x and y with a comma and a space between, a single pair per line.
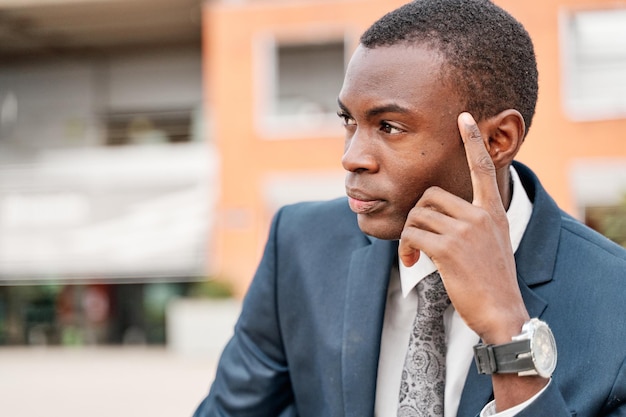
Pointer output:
482, 169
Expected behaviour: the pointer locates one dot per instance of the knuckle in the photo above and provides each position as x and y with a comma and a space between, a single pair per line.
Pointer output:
483, 218
406, 237
449, 245
413, 213
465, 231
430, 193
480, 221
417, 216
484, 165
474, 134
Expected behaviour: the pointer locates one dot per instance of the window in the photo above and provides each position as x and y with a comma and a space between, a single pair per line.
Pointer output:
594, 55
309, 78
149, 127
299, 92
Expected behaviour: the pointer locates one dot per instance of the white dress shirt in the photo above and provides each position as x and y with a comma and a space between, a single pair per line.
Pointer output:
400, 312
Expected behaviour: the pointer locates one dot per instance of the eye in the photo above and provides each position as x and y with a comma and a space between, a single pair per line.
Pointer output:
346, 118
389, 129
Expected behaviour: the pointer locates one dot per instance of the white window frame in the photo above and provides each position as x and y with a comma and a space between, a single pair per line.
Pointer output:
269, 124
582, 95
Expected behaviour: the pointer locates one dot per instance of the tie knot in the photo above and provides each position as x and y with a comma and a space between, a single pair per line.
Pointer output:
432, 295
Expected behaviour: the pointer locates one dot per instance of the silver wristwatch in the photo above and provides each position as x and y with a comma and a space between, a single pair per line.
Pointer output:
532, 352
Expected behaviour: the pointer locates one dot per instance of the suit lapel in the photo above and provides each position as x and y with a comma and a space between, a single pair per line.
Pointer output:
368, 279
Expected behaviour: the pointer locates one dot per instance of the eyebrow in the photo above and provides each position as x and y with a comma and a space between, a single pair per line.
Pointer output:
386, 108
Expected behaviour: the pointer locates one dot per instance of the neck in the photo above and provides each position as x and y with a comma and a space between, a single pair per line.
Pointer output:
505, 185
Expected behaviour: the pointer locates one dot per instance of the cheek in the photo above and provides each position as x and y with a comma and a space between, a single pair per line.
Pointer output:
439, 167
411, 182
458, 180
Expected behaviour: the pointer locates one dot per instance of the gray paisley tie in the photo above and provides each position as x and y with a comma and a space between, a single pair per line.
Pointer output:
423, 376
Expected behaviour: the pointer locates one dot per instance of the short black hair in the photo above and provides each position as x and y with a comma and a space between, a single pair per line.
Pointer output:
490, 55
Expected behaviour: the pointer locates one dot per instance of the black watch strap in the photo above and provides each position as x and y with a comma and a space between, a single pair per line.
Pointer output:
506, 358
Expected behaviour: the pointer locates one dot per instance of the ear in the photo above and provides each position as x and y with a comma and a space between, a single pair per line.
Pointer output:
503, 134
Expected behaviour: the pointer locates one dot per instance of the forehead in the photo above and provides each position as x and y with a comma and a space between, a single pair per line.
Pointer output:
406, 74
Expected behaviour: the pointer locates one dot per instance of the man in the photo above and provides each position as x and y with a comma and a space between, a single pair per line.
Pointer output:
436, 102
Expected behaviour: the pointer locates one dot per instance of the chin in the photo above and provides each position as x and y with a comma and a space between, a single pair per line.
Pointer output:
385, 230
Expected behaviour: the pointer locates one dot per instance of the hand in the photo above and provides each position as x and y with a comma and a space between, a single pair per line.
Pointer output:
470, 245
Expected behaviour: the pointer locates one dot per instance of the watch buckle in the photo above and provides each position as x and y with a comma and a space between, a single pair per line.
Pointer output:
529, 372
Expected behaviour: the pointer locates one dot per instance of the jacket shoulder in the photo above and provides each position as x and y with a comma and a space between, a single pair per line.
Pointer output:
325, 217
573, 229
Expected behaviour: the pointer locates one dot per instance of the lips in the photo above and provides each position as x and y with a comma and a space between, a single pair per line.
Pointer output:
361, 204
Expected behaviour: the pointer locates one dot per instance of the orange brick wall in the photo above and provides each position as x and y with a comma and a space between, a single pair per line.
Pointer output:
230, 31
554, 141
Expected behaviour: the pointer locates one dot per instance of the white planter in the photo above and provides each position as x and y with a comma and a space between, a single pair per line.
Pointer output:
200, 326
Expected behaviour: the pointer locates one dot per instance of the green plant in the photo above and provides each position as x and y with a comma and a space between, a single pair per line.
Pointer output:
210, 288
613, 223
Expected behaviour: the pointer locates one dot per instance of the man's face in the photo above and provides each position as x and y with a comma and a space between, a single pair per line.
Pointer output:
402, 137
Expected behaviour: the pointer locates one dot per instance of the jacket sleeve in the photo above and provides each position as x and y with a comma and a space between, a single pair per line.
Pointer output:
551, 402
252, 377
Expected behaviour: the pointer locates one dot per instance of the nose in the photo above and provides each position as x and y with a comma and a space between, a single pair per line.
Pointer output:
359, 154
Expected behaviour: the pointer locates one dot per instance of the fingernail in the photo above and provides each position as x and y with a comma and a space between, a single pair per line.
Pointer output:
467, 118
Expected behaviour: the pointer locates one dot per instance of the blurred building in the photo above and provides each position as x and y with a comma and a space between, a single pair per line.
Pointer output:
107, 179
145, 145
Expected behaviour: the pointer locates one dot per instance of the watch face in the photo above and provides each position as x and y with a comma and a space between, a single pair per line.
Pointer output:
543, 349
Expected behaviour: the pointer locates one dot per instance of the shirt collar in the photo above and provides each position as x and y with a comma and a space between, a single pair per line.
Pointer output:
518, 215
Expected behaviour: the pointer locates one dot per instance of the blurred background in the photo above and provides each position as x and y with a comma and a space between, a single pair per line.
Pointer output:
146, 144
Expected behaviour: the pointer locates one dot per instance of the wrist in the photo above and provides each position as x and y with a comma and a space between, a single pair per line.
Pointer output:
511, 390
531, 353
504, 329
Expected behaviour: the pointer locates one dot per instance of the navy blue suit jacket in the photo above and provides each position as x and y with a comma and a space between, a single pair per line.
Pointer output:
308, 338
